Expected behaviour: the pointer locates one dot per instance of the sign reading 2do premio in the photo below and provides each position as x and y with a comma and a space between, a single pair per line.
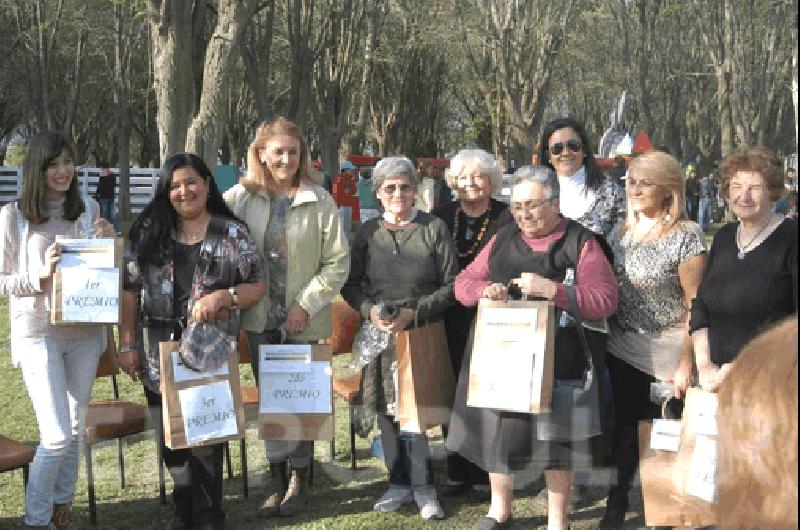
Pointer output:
292, 383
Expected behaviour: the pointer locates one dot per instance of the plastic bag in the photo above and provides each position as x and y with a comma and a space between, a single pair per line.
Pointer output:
368, 343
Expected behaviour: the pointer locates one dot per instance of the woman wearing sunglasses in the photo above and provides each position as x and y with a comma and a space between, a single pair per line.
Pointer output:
586, 195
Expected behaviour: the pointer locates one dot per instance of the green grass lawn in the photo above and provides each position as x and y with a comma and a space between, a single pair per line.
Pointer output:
341, 498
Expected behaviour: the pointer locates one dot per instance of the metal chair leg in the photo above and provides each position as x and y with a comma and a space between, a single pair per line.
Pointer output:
162, 486
25, 473
87, 449
332, 449
243, 451
352, 438
121, 463
227, 449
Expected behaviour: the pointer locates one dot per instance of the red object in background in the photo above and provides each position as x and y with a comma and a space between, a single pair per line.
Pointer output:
363, 161
642, 144
345, 194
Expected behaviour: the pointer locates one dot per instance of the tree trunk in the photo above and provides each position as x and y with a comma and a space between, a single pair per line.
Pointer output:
171, 33
205, 133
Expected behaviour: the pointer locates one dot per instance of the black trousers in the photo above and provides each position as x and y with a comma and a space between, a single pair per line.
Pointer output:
631, 391
197, 476
407, 455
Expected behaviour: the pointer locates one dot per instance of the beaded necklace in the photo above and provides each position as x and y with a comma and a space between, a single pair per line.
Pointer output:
471, 250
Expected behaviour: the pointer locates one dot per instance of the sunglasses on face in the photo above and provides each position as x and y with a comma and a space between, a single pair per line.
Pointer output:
558, 148
389, 189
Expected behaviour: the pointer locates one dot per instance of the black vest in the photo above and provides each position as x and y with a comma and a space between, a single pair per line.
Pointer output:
510, 257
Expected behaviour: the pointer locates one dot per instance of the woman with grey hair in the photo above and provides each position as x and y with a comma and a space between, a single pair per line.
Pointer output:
532, 257
472, 220
406, 261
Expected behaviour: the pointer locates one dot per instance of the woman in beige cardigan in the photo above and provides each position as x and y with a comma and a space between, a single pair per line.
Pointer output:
297, 230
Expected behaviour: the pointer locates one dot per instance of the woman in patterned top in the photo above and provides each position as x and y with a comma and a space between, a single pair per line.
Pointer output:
659, 258
192, 259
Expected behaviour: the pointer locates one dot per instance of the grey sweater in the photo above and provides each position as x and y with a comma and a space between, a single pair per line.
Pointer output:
417, 264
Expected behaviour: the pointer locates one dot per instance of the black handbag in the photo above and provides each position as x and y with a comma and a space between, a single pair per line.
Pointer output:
575, 405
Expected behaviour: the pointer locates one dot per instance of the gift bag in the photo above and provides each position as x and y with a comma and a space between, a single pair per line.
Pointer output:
511, 366
425, 381
199, 408
677, 479
295, 392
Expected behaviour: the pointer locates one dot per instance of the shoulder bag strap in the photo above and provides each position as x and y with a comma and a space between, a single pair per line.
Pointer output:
576, 313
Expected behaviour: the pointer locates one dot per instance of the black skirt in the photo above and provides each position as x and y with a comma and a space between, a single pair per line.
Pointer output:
505, 442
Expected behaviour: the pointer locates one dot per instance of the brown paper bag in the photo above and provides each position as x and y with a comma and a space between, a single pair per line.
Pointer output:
199, 408
511, 366
666, 502
289, 387
425, 382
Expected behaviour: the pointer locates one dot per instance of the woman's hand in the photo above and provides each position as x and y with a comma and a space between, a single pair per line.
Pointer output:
681, 380
51, 258
532, 284
296, 319
495, 291
103, 228
399, 323
208, 307
710, 376
129, 362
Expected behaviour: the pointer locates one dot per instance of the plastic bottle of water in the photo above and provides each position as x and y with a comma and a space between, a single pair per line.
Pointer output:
566, 319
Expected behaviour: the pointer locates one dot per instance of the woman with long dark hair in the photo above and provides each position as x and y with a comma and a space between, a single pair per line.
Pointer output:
587, 196
58, 363
187, 246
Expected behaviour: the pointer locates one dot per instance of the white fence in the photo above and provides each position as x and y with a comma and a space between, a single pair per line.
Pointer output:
142, 184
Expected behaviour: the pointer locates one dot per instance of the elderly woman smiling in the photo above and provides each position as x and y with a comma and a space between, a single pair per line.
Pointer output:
408, 259
473, 219
751, 278
534, 253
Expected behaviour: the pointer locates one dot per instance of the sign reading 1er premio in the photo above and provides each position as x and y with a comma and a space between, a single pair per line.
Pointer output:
291, 383
88, 282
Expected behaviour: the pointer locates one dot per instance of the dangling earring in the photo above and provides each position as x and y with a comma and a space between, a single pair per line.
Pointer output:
667, 219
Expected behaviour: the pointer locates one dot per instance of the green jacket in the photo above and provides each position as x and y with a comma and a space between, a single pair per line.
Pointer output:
318, 261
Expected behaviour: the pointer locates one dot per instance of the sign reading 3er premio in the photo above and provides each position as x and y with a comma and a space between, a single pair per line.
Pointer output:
86, 286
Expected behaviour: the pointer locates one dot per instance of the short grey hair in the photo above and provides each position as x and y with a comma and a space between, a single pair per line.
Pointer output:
541, 175
482, 160
393, 167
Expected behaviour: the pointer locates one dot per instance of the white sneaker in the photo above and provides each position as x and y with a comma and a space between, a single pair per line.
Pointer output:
394, 498
428, 504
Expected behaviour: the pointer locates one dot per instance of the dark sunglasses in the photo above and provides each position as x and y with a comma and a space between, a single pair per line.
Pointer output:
558, 148
389, 189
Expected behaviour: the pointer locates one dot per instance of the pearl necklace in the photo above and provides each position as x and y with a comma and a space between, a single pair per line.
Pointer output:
471, 250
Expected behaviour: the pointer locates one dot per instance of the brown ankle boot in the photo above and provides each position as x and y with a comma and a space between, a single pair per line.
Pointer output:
280, 483
60, 519
297, 493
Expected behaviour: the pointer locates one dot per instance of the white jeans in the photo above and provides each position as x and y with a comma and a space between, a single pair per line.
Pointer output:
58, 374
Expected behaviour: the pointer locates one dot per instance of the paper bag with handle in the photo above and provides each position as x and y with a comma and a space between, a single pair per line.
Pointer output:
199, 408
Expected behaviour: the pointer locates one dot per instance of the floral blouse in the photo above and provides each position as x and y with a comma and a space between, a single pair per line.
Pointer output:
607, 209
234, 260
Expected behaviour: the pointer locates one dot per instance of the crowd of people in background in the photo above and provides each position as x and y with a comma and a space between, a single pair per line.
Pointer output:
625, 252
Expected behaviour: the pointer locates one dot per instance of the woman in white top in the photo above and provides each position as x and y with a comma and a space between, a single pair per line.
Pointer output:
659, 258
586, 195
58, 363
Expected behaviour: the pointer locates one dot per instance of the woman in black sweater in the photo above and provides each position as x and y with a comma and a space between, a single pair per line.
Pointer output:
751, 277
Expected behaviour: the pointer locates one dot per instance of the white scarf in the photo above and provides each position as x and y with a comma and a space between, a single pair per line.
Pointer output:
392, 218
575, 196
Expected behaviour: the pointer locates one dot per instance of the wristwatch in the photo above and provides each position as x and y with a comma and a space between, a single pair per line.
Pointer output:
234, 297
